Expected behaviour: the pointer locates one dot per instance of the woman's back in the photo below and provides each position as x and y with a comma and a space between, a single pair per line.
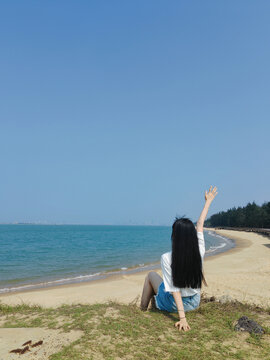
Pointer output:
166, 260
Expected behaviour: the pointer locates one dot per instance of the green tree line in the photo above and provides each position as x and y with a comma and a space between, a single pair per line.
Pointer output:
251, 215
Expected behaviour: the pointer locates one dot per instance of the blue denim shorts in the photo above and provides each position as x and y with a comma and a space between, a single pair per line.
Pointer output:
165, 301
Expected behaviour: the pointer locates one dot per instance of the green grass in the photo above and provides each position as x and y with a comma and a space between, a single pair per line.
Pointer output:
114, 331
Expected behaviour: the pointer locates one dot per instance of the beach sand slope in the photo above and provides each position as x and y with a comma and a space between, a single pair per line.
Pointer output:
243, 272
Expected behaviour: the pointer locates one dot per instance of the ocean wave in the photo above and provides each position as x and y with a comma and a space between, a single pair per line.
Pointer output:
75, 279
212, 233
229, 243
50, 283
214, 248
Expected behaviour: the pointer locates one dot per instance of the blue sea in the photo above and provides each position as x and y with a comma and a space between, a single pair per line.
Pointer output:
33, 256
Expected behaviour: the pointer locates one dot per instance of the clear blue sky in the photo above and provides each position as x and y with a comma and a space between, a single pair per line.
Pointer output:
119, 112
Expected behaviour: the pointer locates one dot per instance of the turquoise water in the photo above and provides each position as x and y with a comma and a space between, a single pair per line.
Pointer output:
43, 255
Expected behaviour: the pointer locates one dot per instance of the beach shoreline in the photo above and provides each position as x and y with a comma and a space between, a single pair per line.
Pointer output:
223, 244
126, 288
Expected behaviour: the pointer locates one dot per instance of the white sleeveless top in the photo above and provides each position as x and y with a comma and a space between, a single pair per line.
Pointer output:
167, 271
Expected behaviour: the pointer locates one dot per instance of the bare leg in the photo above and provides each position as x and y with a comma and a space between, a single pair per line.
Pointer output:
150, 288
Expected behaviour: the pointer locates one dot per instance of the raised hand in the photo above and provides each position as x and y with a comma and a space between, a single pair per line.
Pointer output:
211, 194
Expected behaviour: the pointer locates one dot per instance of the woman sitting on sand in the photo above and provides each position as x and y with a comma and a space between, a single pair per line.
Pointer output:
181, 269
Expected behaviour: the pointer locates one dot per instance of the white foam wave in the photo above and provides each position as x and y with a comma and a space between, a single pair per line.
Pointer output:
212, 233
214, 248
50, 283
75, 279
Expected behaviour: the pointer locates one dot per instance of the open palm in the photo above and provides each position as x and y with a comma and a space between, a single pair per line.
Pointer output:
211, 194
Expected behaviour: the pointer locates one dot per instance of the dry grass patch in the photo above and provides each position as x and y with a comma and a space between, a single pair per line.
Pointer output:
115, 331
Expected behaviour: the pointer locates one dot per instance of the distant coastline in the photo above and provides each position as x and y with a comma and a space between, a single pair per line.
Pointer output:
261, 231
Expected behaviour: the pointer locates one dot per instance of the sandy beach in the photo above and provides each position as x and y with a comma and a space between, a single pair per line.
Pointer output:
242, 273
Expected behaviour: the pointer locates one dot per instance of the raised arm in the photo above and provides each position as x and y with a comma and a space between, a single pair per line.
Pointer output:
209, 197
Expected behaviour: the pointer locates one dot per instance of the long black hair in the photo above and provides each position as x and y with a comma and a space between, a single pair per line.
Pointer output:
186, 259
